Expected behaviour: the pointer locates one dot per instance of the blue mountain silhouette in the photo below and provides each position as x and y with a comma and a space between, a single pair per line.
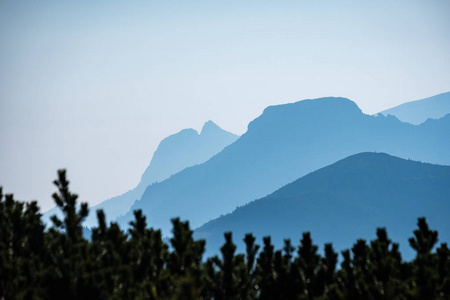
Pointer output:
284, 143
175, 153
344, 202
416, 112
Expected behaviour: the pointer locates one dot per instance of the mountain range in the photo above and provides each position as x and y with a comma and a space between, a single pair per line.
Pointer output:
344, 202
417, 112
285, 143
175, 153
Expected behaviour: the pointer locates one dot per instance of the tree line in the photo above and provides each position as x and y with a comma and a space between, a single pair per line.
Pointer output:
59, 263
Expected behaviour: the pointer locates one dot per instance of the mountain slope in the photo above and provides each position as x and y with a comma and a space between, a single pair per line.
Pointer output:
186, 148
346, 201
175, 153
283, 144
419, 111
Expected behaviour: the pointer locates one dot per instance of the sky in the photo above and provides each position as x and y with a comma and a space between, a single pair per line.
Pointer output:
94, 86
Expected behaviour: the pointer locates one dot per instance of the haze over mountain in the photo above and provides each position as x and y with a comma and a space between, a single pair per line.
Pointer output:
175, 153
284, 143
416, 112
343, 202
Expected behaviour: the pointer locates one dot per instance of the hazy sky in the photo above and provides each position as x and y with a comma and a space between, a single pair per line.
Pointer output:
94, 86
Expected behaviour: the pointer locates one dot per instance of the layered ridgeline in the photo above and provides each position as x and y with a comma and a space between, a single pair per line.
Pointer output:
283, 144
175, 153
344, 202
416, 112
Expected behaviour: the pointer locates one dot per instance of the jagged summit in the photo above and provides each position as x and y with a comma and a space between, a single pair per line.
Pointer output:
175, 153
186, 148
210, 127
417, 112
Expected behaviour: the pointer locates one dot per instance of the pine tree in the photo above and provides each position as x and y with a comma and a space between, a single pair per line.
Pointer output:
228, 281
426, 278
108, 257
361, 268
265, 272
249, 283
443, 255
148, 255
386, 266
290, 276
345, 279
329, 264
68, 276
21, 249
61, 264
184, 262
308, 263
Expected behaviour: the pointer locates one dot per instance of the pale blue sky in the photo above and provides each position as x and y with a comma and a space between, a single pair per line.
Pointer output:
93, 86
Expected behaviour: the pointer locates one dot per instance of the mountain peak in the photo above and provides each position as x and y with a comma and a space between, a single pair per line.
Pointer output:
328, 109
326, 104
329, 106
367, 189
209, 127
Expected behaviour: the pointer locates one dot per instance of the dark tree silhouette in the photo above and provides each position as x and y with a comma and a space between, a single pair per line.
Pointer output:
21, 249
68, 276
59, 263
426, 279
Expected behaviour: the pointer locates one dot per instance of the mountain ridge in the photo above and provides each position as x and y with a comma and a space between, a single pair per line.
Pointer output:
173, 154
419, 111
285, 143
345, 201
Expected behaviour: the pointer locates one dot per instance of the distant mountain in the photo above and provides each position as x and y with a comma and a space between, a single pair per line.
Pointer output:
175, 153
283, 144
417, 112
185, 149
345, 201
